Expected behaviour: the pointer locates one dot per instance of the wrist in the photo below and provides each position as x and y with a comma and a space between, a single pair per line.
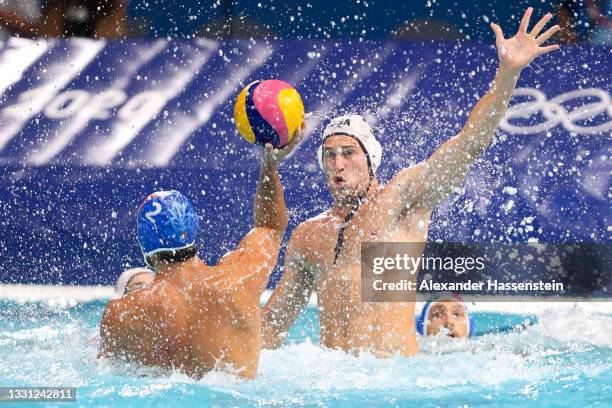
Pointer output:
269, 164
506, 73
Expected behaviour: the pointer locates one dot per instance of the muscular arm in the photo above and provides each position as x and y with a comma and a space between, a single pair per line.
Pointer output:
288, 299
270, 211
428, 183
249, 266
425, 185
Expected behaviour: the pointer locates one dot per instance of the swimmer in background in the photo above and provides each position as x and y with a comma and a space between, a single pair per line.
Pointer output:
446, 313
133, 279
194, 317
323, 253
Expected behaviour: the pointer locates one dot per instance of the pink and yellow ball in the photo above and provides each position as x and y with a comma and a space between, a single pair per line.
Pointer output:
268, 112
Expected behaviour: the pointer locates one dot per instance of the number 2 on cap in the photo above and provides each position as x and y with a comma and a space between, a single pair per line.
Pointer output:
149, 215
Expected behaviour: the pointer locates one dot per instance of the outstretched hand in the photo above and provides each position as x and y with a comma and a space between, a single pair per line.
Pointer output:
272, 156
517, 52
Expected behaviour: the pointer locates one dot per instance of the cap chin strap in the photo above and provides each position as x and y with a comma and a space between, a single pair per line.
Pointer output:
358, 200
349, 216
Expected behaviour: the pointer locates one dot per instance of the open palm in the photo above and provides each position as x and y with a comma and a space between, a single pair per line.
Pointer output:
517, 52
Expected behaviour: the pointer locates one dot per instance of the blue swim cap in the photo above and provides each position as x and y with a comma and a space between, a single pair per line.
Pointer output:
166, 221
422, 321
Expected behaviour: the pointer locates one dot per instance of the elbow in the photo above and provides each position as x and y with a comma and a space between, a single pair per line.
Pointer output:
477, 142
277, 223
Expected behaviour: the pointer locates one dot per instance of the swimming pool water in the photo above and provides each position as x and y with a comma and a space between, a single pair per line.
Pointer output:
565, 359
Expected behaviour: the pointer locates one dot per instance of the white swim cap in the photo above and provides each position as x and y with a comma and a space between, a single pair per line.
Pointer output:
126, 276
355, 126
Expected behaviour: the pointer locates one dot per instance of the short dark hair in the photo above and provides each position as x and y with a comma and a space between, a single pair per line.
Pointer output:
172, 256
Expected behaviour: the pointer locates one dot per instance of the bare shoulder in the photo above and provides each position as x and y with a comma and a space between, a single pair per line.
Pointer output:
308, 239
122, 309
311, 227
400, 193
114, 320
404, 176
115, 311
258, 245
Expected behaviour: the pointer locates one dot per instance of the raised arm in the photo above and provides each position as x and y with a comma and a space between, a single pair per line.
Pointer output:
257, 252
269, 208
290, 296
428, 183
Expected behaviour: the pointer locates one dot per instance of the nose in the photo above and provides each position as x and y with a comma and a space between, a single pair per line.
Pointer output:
339, 163
449, 324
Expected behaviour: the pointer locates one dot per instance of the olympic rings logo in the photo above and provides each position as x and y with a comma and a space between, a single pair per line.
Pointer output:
555, 113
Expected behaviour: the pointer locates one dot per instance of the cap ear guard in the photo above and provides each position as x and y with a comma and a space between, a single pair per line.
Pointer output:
419, 325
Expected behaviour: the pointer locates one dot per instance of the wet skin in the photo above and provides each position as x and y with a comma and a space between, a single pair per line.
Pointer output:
347, 323
397, 212
194, 317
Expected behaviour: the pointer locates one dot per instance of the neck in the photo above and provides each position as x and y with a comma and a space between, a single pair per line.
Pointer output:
344, 204
166, 270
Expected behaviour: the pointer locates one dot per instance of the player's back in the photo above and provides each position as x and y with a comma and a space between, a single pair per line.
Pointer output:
193, 319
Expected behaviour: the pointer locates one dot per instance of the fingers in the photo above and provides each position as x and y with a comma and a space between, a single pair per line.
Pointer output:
545, 50
499, 35
525, 20
540, 25
547, 34
298, 135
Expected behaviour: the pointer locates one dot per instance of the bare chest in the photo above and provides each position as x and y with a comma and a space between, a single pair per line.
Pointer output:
334, 260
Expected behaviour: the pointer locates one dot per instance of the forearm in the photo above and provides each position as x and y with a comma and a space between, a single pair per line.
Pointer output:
272, 333
487, 113
276, 320
287, 301
270, 211
451, 162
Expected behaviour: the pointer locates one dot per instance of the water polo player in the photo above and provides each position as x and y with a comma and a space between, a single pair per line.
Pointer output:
445, 314
194, 317
323, 253
133, 279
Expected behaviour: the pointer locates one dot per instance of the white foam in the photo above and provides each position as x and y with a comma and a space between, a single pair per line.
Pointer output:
577, 326
66, 296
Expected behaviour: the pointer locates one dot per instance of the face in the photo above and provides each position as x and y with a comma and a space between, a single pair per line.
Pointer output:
449, 315
138, 281
345, 165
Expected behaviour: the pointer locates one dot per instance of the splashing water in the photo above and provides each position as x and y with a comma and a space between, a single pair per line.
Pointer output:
565, 357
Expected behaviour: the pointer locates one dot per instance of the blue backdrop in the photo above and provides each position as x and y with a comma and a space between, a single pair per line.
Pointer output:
89, 128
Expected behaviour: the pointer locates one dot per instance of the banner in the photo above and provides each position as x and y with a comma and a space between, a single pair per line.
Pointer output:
88, 128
